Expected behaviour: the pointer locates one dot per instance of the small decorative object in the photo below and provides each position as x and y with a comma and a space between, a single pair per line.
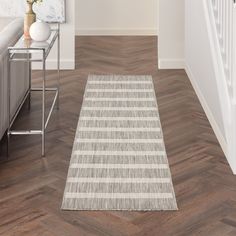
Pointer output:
30, 17
40, 31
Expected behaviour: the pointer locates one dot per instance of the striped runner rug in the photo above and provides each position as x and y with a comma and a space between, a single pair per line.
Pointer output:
119, 160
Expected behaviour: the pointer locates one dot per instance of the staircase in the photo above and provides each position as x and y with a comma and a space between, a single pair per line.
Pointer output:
222, 18
210, 55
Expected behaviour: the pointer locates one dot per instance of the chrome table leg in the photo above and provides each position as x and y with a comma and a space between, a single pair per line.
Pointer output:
43, 104
58, 65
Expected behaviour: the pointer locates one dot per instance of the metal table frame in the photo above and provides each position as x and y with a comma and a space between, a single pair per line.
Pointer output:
12, 52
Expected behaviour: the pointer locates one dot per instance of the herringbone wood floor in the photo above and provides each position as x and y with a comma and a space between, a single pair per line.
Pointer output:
31, 187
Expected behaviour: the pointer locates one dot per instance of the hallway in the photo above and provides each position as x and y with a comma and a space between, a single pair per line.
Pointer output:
32, 188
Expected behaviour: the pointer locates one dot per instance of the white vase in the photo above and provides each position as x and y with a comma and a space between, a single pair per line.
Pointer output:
40, 31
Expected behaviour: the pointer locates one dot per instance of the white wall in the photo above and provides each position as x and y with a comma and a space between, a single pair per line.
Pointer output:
171, 34
116, 17
200, 67
67, 42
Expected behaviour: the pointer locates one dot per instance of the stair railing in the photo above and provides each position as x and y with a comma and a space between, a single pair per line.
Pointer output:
225, 20
221, 23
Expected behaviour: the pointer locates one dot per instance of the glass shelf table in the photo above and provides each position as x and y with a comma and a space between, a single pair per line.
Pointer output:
30, 51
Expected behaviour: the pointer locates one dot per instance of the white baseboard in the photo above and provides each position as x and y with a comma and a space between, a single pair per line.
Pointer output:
175, 63
52, 65
207, 110
112, 31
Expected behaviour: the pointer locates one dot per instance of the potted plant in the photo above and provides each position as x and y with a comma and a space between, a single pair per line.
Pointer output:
30, 17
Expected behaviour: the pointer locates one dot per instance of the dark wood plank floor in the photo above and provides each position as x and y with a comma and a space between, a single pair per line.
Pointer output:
31, 187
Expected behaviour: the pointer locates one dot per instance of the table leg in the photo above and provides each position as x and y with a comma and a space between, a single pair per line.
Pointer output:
43, 105
8, 104
58, 66
29, 66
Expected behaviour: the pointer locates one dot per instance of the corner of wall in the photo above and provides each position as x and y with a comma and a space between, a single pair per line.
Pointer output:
207, 110
175, 63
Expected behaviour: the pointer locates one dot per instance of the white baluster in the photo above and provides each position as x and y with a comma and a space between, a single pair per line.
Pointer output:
224, 12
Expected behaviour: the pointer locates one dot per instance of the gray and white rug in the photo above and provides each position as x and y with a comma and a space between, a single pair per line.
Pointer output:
119, 160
